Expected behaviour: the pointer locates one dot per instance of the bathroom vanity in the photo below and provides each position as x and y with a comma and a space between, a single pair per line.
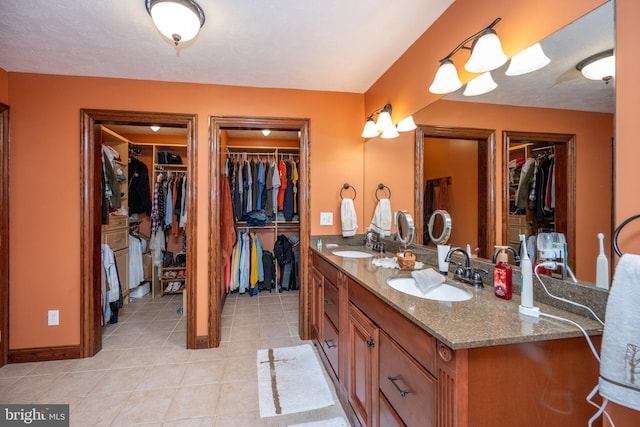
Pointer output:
401, 360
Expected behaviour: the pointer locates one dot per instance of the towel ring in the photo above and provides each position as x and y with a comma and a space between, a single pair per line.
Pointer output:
617, 231
346, 186
382, 187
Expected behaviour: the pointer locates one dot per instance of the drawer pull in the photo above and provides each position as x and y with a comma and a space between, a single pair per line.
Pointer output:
402, 392
329, 344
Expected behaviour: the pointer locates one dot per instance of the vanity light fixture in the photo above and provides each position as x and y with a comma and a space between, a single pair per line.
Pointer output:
486, 55
384, 127
177, 20
155, 128
530, 59
601, 66
482, 84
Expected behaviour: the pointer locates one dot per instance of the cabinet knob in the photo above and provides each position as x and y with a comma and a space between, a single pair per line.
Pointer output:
329, 344
370, 343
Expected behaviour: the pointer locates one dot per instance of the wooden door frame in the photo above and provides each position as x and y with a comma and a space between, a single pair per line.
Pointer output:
90, 207
565, 212
216, 298
4, 233
486, 181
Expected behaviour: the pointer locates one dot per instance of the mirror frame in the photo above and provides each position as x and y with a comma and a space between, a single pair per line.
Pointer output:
565, 148
486, 181
4, 233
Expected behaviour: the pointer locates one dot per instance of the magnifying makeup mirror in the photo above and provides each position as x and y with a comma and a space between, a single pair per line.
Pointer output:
440, 227
405, 230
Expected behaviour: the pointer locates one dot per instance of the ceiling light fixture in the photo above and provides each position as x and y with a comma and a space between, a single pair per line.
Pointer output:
601, 66
177, 20
155, 128
482, 84
486, 55
530, 59
384, 127
266, 132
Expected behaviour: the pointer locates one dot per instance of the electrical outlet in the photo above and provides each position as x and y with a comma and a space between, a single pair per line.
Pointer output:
326, 218
53, 318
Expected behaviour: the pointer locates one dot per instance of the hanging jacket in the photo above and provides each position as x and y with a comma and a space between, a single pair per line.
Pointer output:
139, 192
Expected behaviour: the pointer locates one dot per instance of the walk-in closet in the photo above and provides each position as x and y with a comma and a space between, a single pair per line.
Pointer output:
144, 237
260, 207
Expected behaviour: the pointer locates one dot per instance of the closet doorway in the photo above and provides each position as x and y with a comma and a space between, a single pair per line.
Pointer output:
91, 171
4, 233
219, 126
562, 148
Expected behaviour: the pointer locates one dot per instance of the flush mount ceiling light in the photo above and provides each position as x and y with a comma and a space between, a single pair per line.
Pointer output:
530, 59
486, 55
177, 20
601, 66
155, 128
266, 132
384, 127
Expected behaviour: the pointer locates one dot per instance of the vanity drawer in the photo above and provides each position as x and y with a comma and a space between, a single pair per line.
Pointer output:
331, 302
388, 417
115, 221
330, 344
410, 389
118, 239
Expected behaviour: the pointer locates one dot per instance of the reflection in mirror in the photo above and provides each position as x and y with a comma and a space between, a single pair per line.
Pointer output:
563, 103
440, 227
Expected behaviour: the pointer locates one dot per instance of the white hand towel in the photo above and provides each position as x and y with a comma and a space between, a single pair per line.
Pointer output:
427, 279
620, 355
348, 218
381, 222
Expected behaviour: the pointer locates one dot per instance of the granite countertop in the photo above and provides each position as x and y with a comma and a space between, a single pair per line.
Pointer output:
484, 320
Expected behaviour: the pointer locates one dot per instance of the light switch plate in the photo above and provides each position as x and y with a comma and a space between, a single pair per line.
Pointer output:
326, 218
53, 318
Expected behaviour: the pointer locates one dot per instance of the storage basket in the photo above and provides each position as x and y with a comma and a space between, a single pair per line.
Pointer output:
406, 260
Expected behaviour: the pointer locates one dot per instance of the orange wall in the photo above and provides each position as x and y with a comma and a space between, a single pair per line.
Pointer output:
523, 23
457, 158
627, 148
4, 87
45, 168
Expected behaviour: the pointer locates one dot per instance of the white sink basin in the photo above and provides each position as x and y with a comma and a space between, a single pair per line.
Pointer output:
352, 254
443, 292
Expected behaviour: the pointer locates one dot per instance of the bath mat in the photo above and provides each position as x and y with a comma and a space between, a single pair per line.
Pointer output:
333, 422
291, 380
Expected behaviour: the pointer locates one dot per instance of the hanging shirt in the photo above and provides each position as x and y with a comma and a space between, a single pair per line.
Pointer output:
261, 179
282, 171
276, 186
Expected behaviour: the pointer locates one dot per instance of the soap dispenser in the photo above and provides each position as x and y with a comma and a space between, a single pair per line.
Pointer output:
502, 275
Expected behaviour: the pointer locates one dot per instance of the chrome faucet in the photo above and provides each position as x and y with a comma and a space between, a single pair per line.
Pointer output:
466, 274
372, 241
516, 255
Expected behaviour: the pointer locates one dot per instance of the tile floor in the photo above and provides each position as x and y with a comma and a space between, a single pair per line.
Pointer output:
145, 376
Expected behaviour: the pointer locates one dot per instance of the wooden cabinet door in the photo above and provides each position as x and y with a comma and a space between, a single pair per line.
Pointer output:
362, 368
317, 304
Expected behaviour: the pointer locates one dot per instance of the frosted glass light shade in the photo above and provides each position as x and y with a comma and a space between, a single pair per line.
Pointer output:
486, 53
155, 128
600, 69
177, 20
390, 132
384, 122
266, 132
446, 79
530, 59
407, 124
370, 130
482, 84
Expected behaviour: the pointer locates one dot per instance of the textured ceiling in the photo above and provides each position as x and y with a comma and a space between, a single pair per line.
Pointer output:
559, 84
331, 45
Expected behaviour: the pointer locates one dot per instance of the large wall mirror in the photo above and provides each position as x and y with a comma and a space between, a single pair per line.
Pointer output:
555, 106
